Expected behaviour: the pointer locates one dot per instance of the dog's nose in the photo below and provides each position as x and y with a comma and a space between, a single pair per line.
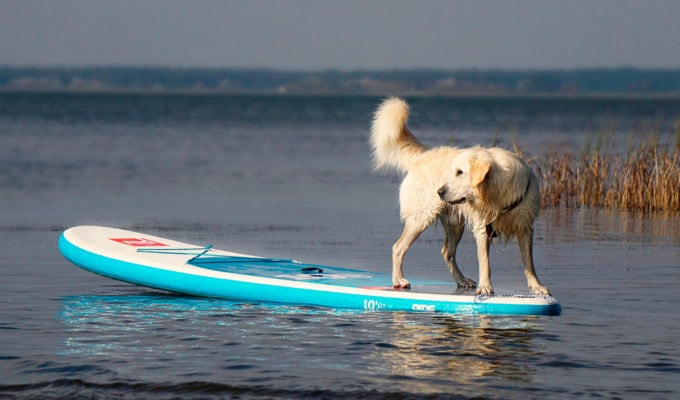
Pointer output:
442, 192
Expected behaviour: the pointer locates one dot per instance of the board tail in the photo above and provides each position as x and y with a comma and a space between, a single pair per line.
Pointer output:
394, 146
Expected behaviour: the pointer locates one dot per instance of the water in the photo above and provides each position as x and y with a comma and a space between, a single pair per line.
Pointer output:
290, 177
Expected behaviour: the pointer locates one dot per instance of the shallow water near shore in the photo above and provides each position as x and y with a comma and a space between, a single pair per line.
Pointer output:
291, 177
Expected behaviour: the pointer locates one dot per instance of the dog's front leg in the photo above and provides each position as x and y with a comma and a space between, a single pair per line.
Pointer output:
408, 236
482, 239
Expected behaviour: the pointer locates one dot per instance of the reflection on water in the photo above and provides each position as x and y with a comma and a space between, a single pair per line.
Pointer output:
573, 225
465, 347
595, 239
153, 330
110, 325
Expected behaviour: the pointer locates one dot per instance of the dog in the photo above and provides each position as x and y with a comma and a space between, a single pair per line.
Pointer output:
491, 190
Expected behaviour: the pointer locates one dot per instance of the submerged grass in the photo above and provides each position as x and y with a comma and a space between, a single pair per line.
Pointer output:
645, 179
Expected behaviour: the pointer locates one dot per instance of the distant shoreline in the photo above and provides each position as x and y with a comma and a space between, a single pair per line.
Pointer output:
579, 83
461, 95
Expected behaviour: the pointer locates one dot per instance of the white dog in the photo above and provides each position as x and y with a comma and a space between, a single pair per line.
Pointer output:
492, 190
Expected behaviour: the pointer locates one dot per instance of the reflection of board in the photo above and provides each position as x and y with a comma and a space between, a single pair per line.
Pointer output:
203, 271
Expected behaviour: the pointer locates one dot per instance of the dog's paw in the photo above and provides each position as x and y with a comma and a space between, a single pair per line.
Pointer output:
539, 289
485, 290
401, 283
467, 283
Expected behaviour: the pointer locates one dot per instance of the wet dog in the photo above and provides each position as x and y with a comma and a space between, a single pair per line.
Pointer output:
491, 190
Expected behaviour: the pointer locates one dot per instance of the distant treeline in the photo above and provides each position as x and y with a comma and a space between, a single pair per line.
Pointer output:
417, 81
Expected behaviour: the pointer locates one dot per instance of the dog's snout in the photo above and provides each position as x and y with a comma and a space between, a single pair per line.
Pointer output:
442, 192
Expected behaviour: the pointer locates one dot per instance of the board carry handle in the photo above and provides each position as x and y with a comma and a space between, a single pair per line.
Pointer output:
311, 270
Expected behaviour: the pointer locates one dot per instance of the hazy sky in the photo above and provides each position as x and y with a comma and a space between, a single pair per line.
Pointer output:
342, 34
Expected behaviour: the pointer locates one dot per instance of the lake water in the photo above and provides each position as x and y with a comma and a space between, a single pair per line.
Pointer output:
291, 177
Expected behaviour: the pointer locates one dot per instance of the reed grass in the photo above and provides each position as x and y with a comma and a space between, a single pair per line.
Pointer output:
645, 179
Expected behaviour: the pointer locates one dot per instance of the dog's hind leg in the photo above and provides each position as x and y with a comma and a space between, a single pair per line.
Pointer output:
482, 239
525, 241
453, 230
408, 236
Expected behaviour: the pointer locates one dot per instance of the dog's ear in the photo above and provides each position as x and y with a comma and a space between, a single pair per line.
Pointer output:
480, 164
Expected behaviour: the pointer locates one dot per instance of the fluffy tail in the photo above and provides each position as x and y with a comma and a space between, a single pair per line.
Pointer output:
394, 146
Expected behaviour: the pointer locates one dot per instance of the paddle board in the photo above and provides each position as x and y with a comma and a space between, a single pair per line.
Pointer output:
166, 264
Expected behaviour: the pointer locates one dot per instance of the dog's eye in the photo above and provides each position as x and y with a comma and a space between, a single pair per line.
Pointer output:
459, 172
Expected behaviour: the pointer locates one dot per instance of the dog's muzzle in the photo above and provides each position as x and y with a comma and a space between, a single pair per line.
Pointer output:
443, 191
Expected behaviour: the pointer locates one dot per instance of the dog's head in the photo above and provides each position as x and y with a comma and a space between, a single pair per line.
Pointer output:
469, 170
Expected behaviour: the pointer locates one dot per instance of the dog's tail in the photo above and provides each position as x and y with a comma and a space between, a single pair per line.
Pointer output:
394, 146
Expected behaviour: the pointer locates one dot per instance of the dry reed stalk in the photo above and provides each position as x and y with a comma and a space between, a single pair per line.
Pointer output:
647, 179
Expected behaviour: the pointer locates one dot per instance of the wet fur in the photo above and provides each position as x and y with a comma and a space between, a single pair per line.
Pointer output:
471, 187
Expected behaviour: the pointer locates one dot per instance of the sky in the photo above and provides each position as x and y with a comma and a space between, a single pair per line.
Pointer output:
342, 34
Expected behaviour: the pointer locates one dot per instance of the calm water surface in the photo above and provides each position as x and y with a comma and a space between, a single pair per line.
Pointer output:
291, 177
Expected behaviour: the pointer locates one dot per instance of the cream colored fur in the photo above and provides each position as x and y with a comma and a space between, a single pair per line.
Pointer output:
477, 187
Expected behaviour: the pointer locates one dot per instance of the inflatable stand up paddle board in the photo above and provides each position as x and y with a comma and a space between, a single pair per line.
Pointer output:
178, 267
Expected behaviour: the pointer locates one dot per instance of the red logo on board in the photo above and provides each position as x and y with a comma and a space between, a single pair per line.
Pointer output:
138, 242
